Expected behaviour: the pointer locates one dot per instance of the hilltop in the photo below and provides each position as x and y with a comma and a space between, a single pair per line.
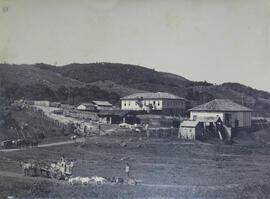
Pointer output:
111, 81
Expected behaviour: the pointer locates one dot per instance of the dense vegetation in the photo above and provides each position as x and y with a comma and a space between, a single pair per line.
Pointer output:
16, 122
76, 83
71, 95
123, 74
247, 90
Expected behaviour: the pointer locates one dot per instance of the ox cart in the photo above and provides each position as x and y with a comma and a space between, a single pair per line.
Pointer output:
59, 170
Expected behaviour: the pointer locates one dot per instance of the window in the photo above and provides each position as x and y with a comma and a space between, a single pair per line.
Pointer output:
158, 103
154, 102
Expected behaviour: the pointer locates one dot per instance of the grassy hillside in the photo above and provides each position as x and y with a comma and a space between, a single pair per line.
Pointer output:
18, 123
112, 81
33, 82
127, 79
110, 86
118, 73
30, 75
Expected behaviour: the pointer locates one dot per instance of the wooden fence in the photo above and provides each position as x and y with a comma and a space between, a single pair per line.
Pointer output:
35, 110
151, 132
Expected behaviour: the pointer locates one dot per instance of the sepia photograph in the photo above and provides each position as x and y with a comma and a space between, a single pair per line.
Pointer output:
134, 99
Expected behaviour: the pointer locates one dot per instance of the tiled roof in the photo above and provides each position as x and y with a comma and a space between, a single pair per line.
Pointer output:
220, 105
189, 123
158, 95
87, 104
102, 103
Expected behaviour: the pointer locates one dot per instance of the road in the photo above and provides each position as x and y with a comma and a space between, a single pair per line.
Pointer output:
78, 140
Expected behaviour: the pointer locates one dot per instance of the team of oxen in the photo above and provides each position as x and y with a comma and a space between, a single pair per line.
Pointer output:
100, 180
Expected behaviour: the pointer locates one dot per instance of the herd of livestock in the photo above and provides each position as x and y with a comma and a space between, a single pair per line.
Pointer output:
100, 180
62, 170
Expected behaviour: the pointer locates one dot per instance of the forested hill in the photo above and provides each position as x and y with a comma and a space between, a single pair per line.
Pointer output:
113, 80
123, 74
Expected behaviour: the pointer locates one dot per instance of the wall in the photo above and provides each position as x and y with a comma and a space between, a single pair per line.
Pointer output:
132, 105
206, 114
81, 107
158, 104
42, 103
103, 120
180, 104
187, 133
244, 119
80, 114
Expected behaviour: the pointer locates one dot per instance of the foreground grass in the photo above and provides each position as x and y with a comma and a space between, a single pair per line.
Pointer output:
167, 168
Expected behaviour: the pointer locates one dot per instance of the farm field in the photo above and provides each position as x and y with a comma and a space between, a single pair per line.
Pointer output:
167, 168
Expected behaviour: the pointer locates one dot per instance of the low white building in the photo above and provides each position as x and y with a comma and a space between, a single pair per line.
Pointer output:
86, 107
45, 103
165, 103
232, 114
191, 130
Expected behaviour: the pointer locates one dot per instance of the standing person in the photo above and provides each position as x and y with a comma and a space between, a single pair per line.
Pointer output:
127, 170
99, 127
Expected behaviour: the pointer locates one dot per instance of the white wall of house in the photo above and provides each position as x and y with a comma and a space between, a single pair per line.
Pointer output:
132, 104
194, 114
158, 104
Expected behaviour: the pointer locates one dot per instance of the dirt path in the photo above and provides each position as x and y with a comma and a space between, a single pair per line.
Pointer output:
78, 140
213, 187
21, 176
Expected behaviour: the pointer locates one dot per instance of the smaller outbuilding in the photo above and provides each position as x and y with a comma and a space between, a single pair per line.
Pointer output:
45, 103
191, 130
117, 116
102, 105
55, 104
87, 107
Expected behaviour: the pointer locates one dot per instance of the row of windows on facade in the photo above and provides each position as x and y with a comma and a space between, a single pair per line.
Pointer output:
155, 103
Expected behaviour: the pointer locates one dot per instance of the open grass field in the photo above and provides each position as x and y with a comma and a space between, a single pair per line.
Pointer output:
167, 169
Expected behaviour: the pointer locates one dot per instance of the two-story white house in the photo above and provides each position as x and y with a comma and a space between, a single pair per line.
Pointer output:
160, 102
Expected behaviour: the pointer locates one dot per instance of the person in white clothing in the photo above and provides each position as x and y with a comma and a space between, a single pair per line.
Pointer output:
127, 170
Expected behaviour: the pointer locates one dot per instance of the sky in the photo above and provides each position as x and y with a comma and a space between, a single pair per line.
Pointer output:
213, 40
